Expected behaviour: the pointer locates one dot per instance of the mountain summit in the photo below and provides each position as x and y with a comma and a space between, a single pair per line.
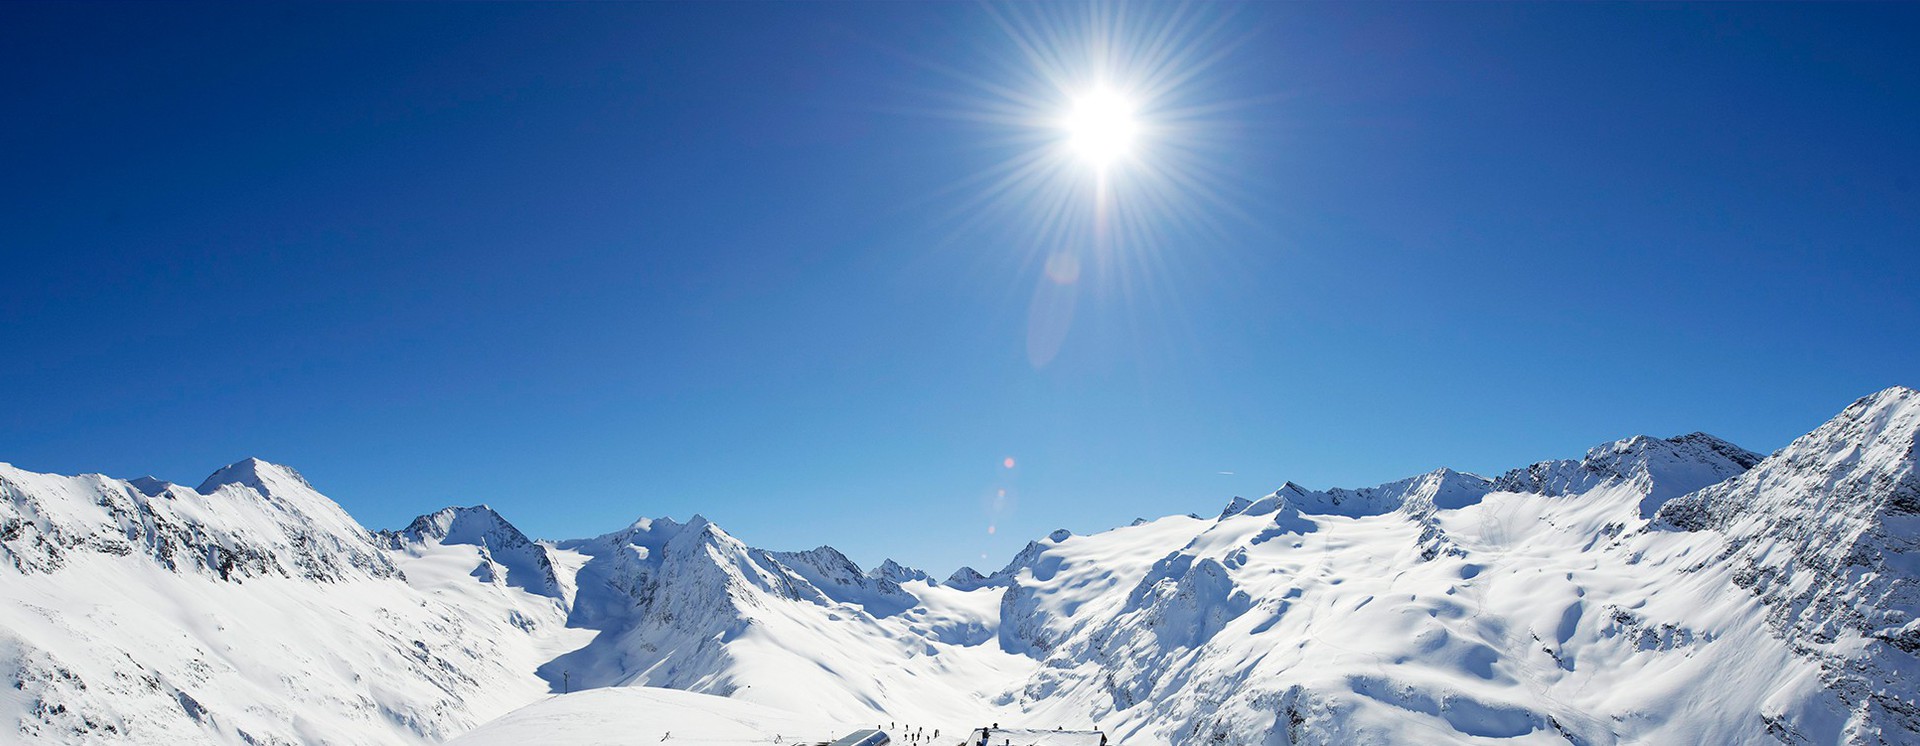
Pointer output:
256, 474
505, 554
1661, 469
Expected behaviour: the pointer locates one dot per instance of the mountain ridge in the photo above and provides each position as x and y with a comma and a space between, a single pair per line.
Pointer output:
1543, 602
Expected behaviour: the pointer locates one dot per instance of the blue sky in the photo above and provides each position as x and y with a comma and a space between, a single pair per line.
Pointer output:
590, 262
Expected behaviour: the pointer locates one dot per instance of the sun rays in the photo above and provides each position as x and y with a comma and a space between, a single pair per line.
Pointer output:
1108, 128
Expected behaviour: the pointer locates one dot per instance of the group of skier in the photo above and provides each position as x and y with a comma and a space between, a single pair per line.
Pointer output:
914, 735
984, 736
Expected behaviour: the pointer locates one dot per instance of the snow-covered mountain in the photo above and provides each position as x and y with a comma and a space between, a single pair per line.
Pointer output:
249, 610
1825, 535
1678, 590
507, 556
1660, 469
896, 572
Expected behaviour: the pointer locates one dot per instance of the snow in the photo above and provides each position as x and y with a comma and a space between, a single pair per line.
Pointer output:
503, 554
1677, 590
898, 573
621, 716
256, 612
966, 579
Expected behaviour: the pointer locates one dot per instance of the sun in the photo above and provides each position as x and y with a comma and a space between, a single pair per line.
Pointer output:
1102, 127
1111, 149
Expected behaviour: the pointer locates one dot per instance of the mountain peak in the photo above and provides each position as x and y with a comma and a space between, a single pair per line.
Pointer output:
1720, 446
1856, 466
1890, 394
896, 572
838, 577
1661, 468
1883, 410
697, 532
259, 474
457, 525
150, 485
1442, 488
505, 552
966, 578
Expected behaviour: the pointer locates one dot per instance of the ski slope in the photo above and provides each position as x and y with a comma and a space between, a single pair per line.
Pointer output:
622, 716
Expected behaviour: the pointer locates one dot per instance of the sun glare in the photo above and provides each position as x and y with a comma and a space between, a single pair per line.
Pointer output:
1113, 126
1102, 127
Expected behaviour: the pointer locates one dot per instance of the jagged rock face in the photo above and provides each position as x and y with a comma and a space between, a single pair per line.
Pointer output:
1826, 533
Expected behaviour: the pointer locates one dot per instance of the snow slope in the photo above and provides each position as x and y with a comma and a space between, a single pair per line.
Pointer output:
621, 716
1678, 590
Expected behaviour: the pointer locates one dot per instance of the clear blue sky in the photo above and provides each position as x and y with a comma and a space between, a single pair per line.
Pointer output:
593, 262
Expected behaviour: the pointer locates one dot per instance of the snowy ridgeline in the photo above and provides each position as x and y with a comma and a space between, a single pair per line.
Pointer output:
1676, 590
